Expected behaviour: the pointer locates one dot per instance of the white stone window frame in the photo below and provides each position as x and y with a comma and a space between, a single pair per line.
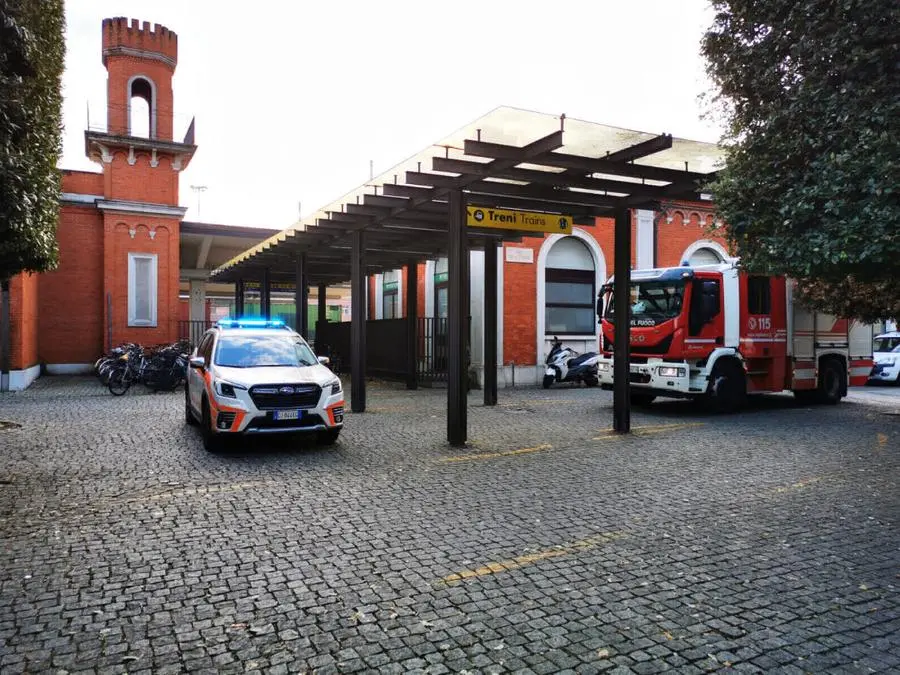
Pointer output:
151, 104
542, 339
133, 321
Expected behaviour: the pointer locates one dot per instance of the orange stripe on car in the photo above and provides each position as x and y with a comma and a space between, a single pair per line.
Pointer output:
330, 410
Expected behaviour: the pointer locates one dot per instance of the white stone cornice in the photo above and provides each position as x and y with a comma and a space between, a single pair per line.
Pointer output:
120, 50
122, 206
79, 199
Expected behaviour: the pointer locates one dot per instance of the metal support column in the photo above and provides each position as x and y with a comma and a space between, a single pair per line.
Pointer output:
490, 322
358, 323
412, 324
265, 295
622, 335
322, 307
301, 298
457, 314
239, 297
5, 342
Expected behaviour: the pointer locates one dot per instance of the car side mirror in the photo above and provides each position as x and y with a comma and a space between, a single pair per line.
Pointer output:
324, 360
197, 362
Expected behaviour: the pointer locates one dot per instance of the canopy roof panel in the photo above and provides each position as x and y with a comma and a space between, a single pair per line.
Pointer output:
508, 158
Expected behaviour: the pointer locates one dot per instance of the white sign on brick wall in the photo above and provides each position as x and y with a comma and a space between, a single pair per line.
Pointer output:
519, 255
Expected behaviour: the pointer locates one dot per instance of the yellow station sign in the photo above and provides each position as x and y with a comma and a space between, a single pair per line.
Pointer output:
479, 216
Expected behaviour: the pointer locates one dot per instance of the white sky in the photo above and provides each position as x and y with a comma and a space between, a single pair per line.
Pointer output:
293, 99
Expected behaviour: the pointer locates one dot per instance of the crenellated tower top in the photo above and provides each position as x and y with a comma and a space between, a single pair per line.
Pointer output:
124, 37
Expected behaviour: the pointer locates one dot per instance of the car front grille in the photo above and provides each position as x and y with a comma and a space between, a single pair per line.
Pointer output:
285, 396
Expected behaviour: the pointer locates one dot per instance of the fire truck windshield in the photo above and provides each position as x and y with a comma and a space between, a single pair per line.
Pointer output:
652, 302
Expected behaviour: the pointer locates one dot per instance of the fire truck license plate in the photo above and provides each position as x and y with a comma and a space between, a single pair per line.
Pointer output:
288, 414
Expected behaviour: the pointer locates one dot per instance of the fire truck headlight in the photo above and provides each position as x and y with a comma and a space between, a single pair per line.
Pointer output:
670, 371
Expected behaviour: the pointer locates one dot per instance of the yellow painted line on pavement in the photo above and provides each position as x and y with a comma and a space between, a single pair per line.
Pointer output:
610, 435
532, 558
648, 430
493, 455
799, 485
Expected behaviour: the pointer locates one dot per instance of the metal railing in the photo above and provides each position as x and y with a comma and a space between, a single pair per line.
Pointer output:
387, 347
192, 331
432, 349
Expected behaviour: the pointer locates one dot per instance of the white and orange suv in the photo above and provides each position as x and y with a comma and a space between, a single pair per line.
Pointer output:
260, 377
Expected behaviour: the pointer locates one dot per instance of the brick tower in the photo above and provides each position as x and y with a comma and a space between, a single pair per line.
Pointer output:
141, 164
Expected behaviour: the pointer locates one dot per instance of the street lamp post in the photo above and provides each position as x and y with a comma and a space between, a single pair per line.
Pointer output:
198, 190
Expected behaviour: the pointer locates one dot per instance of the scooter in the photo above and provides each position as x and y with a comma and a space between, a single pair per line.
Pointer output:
565, 365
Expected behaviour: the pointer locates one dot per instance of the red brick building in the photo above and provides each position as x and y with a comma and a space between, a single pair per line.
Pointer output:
121, 270
530, 271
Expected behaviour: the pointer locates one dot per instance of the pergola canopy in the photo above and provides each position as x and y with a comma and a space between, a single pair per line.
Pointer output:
509, 158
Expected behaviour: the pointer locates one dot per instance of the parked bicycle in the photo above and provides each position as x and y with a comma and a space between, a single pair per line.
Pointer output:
160, 369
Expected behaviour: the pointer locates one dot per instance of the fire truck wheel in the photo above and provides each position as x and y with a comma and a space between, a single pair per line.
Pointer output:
727, 387
831, 382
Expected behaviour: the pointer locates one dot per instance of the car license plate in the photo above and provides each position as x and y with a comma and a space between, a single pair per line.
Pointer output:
288, 414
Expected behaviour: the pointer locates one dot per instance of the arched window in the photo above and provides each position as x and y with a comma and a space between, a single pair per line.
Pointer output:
390, 307
570, 289
441, 289
141, 108
705, 256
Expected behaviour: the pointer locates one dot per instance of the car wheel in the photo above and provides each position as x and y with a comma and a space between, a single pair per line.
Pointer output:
548, 380
832, 382
211, 440
727, 387
189, 418
329, 437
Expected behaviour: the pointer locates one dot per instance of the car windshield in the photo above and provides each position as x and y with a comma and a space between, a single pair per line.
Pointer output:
887, 344
253, 351
656, 300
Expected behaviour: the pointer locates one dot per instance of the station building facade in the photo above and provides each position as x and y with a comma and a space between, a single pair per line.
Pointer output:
131, 270
550, 284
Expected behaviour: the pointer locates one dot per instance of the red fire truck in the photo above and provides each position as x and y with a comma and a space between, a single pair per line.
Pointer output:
718, 333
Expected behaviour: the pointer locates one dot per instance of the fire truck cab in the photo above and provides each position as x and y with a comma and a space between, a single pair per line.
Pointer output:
718, 333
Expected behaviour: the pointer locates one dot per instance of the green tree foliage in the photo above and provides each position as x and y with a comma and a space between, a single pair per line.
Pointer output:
810, 91
32, 50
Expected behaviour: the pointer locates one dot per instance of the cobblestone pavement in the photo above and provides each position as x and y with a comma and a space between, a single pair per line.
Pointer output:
761, 542
880, 395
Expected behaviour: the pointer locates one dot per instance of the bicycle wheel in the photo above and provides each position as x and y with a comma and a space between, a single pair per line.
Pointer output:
119, 381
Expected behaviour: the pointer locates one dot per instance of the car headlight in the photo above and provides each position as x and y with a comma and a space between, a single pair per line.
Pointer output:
226, 389
335, 387
603, 366
670, 371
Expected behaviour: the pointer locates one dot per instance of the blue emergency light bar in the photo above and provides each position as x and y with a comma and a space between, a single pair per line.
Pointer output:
247, 322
